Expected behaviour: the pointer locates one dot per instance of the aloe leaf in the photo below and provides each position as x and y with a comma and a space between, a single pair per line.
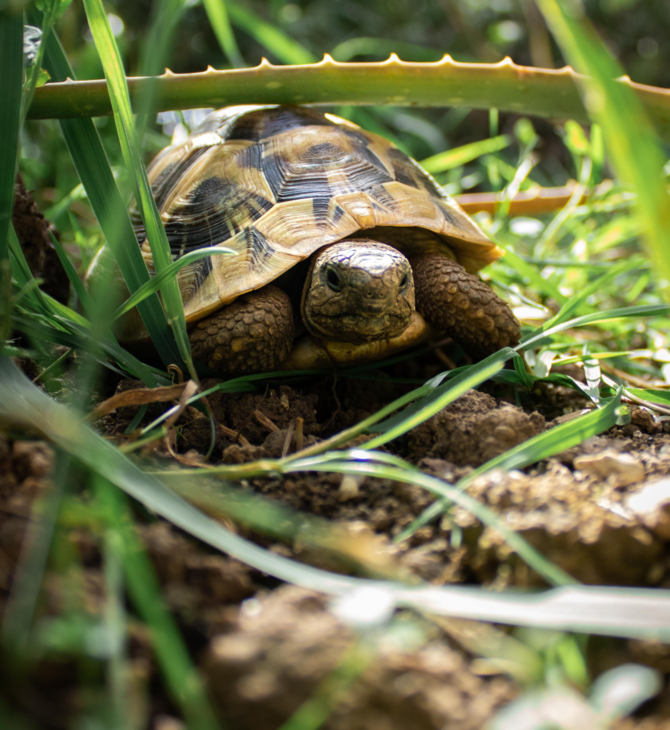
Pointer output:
519, 89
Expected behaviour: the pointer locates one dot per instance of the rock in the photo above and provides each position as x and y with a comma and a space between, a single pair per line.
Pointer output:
652, 505
619, 470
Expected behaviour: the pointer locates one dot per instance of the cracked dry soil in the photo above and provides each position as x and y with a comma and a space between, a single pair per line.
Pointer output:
601, 511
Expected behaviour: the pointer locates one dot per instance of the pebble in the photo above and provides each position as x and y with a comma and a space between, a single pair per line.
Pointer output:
652, 505
620, 470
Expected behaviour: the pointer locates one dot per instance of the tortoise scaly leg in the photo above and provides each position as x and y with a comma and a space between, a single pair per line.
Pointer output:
462, 306
253, 334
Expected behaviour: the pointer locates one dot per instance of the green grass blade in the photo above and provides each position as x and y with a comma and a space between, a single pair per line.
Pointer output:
123, 116
90, 161
630, 138
21, 270
61, 325
152, 286
220, 22
159, 41
575, 303
184, 682
618, 612
648, 310
78, 337
11, 63
26, 585
449, 494
449, 159
662, 397
554, 440
76, 283
270, 37
155, 48
440, 397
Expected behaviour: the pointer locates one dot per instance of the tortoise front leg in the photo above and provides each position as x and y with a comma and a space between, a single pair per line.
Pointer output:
253, 334
462, 306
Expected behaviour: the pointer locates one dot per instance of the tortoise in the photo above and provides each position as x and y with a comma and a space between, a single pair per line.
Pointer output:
346, 250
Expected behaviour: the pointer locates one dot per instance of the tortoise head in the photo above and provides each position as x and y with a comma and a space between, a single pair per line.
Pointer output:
358, 291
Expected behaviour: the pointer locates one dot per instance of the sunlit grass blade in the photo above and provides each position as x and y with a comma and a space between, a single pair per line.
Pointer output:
630, 139
450, 494
90, 161
537, 281
533, 450
269, 36
160, 248
661, 397
158, 281
449, 159
575, 303
618, 612
184, 682
220, 22
648, 310
440, 397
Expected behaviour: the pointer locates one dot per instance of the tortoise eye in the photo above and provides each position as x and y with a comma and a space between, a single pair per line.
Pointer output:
333, 280
404, 281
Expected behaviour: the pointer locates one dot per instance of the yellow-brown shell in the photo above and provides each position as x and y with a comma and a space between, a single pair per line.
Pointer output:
274, 184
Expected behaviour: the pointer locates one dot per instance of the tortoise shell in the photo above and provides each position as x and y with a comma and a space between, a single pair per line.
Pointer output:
276, 183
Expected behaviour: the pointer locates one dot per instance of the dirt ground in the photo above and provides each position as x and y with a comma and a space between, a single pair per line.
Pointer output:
601, 511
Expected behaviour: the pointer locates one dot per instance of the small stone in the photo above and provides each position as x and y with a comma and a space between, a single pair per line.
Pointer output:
620, 470
349, 486
652, 505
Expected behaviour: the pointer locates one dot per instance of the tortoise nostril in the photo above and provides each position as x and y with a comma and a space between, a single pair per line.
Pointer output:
333, 280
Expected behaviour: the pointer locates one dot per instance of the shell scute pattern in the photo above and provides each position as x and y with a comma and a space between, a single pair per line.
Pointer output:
275, 184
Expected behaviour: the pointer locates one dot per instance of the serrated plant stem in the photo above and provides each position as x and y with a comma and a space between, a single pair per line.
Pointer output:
551, 93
